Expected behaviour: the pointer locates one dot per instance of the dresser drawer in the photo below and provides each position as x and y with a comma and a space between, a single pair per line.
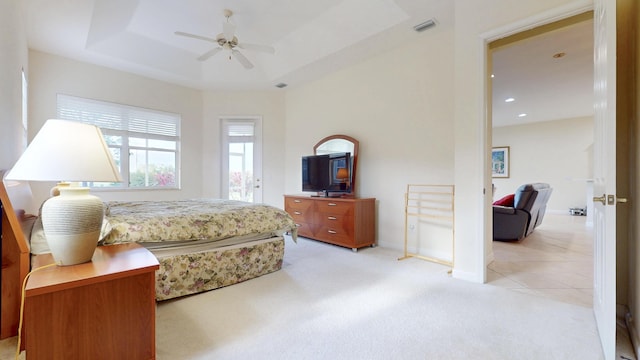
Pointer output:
337, 221
304, 229
334, 207
300, 215
298, 203
301, 210
336, 235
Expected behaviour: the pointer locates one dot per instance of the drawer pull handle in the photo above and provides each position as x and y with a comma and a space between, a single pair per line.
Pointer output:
332, 218
297, 213
332, 231
332, 204
297, 201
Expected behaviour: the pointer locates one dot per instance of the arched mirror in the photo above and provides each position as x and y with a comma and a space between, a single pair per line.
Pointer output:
341, 144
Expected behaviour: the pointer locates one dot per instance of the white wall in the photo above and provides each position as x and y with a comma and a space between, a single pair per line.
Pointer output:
476, 23
50, 75
556, 152
267, 104
13, 58
399, 105
200, 146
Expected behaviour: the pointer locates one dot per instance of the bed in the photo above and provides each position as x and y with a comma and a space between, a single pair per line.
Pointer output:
201, 244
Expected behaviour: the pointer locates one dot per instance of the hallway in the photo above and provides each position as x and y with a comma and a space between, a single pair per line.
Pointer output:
555, 261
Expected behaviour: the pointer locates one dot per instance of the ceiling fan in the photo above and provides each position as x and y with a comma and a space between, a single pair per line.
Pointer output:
228, 41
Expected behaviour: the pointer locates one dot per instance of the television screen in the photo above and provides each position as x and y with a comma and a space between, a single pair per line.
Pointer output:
315, 173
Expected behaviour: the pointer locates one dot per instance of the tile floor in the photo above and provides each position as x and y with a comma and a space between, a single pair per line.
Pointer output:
555, 261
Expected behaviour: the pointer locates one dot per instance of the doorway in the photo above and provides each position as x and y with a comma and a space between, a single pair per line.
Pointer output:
241, 175
614, 271
542, 111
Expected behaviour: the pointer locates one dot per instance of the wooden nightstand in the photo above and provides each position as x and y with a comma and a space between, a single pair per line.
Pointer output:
103, 309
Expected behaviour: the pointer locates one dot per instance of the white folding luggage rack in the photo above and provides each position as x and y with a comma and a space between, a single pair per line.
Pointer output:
429, 209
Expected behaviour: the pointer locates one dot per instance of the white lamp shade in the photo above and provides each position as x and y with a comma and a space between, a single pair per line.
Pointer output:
66, 151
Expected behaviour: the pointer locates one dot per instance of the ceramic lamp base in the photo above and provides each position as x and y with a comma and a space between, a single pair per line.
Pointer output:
71, 223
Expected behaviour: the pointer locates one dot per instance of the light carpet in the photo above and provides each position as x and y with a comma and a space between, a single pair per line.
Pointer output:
328, 302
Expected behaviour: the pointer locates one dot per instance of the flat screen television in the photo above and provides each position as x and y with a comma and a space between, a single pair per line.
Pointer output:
328, 174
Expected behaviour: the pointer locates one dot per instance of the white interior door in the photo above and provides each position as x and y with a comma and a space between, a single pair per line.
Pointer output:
242, 159
604, 185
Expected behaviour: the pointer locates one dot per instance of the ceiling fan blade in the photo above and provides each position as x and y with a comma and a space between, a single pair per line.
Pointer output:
229, 30
209, 54
180, 33
257, 47
242, 59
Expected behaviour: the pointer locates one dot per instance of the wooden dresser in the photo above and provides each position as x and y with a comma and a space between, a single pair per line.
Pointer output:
348, 222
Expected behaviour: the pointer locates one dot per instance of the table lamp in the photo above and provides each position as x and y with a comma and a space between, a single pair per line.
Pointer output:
343, 176
69, 151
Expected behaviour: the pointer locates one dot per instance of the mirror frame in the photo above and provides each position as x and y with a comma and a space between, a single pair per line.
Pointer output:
354, 155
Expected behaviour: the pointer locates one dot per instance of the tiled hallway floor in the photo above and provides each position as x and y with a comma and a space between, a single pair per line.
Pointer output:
555, 261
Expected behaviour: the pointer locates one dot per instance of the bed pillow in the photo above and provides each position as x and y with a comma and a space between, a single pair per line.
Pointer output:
505, 201
38, 241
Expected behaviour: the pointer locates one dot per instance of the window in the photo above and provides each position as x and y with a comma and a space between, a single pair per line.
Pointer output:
151, 139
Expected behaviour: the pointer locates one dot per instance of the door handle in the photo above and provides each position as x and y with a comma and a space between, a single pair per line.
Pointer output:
602, 199
609, 199
618, 200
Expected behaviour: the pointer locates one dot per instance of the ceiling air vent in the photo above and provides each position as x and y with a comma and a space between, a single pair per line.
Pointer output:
425, 25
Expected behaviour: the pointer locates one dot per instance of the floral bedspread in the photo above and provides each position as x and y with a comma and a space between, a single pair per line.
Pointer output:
193, 273
195, 219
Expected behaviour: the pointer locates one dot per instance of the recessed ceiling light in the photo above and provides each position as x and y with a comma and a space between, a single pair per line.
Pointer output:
522, 115
559, 55
509, 100
492, 76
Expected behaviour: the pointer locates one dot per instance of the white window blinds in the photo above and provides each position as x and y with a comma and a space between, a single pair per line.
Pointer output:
240, 129
118, 117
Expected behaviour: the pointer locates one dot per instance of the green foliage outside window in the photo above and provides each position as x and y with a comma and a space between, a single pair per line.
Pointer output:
156, 176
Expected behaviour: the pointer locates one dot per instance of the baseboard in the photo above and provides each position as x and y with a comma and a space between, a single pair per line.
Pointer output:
469, 276
559, 212
633, 334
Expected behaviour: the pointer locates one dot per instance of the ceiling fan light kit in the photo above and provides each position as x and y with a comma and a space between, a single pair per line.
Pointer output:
227, 40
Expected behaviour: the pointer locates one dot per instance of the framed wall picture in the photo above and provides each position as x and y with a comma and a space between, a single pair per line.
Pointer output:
500, 162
